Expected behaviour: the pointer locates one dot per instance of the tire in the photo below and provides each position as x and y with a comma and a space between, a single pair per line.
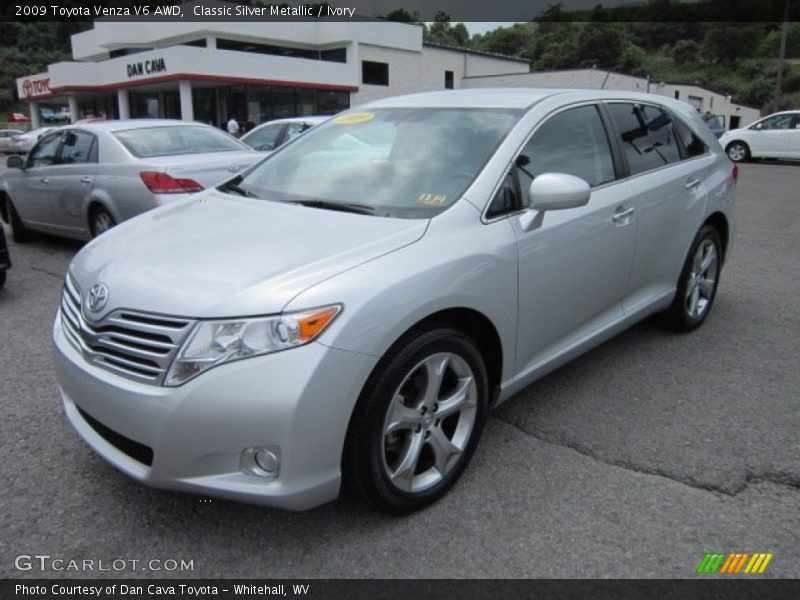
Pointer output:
19, 233
412, 434
697, 286
100, 221
738, 151
2, 278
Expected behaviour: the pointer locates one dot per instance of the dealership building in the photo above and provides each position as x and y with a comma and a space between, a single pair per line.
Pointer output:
253, 70
256, 71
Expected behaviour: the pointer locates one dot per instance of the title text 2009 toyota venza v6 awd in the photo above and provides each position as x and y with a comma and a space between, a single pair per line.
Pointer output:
348, 310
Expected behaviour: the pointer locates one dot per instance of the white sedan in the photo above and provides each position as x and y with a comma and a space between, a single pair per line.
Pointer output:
775, 136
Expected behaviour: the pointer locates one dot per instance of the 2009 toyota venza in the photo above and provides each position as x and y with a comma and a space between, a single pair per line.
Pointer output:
349, 309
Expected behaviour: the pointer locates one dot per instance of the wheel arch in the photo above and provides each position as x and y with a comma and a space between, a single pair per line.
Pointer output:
477, 326
719, 221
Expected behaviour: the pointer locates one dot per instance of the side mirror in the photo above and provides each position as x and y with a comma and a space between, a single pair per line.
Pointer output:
15, 162
557, 191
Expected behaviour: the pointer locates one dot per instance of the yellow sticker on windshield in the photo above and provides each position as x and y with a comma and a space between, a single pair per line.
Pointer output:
431, 199
353, 118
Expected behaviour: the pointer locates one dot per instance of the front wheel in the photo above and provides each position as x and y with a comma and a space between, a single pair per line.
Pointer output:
738, 152
697, 286
418, 421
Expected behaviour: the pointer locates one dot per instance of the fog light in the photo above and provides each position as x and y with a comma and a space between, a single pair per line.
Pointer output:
267, 460
263, 462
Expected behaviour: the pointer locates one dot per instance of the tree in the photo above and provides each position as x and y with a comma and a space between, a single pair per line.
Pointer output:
686, 52
727, 43
518, 40
601, 45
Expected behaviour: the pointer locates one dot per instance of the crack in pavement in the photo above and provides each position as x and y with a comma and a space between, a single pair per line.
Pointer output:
46, 272
732, 491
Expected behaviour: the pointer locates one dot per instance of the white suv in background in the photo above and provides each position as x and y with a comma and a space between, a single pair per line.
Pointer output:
775, 136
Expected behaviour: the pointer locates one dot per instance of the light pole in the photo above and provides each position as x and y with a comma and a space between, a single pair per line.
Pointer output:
781, 58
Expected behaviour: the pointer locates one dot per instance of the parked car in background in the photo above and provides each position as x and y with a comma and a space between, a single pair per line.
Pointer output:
5, 259
80, 181
17, 118
22, 143
6, 137
63, 114
313, 321
48, 115
774, 136
272, 134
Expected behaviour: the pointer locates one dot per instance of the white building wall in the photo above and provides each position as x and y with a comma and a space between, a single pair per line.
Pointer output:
411, 72
478, 64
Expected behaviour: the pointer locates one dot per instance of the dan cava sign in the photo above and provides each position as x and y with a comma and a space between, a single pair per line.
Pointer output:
36, 87
146, 67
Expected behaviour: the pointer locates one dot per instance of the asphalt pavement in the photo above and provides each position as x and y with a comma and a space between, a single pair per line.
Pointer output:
632, 461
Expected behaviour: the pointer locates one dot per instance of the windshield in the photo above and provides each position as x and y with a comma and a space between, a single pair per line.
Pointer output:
148, 142
400, 162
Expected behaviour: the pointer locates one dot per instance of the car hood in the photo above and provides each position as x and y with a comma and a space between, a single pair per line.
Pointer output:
732, 132
216, 255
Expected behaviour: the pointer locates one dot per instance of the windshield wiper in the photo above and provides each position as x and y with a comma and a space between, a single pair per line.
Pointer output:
363, 209
233, 186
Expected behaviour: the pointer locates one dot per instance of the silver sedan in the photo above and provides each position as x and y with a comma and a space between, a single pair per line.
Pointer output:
80, 181
350, 308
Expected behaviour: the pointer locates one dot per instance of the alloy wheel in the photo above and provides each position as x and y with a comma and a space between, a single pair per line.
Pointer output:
737, 152
702, 279
429, 422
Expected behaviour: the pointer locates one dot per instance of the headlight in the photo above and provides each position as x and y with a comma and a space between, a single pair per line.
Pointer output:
212, 343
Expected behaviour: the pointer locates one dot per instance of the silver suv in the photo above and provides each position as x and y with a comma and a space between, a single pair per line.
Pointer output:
351, 307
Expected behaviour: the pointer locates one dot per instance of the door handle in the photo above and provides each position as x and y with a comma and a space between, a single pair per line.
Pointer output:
45, 180
623, 216
86, 180
692, 183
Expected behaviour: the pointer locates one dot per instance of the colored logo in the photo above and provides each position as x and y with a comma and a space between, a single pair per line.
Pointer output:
734, 563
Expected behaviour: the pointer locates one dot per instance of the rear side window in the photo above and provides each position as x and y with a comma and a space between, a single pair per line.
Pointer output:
692, 145
179, 139
574, 142
265, 138
646, 135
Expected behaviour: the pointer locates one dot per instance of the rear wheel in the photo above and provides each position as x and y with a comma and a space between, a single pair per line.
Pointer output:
697, 286
19, 232
2, 277
418, 421
100, 221
738, 151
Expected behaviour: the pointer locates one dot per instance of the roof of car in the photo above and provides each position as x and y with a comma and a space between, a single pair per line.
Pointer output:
122, 124
308, 119
509, 97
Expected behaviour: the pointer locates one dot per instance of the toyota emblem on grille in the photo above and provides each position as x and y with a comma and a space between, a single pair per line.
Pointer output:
97, 298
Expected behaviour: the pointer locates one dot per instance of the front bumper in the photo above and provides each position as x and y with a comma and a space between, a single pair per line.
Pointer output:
298, 400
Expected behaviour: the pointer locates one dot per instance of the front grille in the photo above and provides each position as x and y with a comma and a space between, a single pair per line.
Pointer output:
137, 451
135, 345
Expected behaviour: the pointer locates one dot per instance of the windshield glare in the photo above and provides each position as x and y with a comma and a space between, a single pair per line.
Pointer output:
404, 162
148, 142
